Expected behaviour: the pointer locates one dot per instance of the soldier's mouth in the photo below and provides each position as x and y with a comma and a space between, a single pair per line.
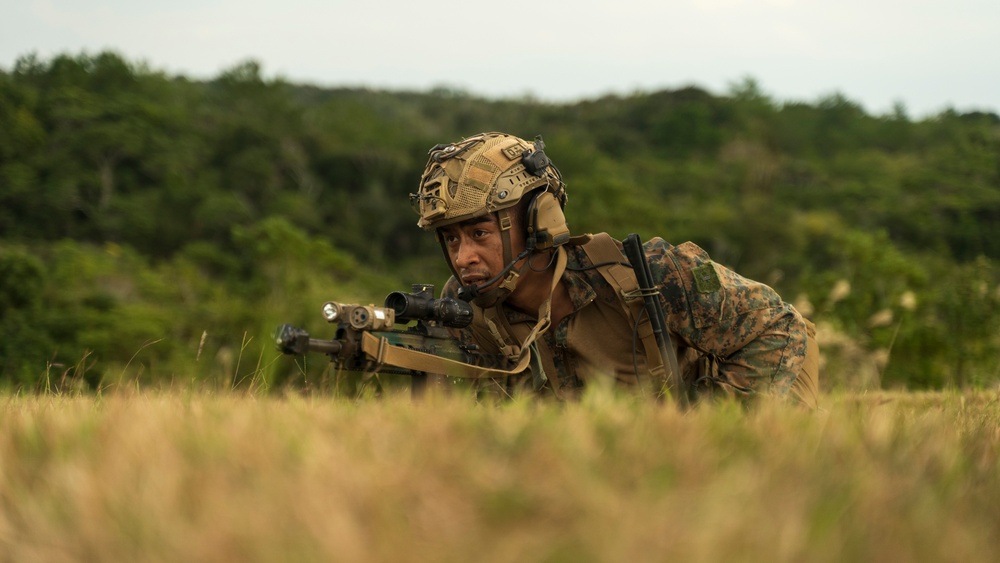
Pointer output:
475, 278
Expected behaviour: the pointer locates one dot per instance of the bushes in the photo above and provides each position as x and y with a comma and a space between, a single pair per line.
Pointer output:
101, 315
140, 212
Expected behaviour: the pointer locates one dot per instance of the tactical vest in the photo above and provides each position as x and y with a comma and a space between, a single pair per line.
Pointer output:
491, 325
699, 371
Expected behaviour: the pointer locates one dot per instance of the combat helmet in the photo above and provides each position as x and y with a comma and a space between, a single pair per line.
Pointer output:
493, 172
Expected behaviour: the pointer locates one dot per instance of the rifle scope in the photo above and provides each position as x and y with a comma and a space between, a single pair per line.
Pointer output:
421, 306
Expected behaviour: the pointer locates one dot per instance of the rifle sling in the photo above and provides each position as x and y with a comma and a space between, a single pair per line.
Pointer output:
382, 352
601, 249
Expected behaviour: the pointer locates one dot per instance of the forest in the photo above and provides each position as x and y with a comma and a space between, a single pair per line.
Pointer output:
154, 229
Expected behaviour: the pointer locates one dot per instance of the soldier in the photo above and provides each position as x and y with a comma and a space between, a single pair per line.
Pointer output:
570, 308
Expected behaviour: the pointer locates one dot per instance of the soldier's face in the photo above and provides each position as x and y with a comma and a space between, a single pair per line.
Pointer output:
475, 248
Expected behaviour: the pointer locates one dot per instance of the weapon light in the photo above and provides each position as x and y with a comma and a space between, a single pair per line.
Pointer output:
360, 317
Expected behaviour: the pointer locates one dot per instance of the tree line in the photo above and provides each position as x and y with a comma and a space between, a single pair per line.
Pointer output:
154, 228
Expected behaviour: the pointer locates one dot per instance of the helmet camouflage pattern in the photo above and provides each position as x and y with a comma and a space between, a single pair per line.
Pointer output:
479, 175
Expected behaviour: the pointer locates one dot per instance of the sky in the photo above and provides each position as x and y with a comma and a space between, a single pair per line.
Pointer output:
927, 55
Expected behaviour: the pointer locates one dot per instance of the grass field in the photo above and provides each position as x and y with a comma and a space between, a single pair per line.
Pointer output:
228, 477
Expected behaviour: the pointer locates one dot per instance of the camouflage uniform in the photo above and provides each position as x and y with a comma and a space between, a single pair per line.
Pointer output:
733, 336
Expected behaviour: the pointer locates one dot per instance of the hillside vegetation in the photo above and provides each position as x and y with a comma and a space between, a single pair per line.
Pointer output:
154, 229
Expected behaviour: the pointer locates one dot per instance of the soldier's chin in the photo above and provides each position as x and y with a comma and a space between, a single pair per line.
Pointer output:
490, 297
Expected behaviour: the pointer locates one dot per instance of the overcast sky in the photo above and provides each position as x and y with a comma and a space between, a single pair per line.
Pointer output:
928, 54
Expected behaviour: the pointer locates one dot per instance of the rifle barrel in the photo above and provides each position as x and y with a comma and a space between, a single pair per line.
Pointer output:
325, 346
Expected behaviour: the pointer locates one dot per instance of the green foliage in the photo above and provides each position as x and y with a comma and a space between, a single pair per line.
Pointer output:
154, 228
22, 341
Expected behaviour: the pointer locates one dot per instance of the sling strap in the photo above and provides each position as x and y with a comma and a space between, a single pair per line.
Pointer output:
611, 263
382, 352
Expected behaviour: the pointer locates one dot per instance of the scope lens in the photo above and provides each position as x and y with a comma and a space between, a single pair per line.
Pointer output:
397, 301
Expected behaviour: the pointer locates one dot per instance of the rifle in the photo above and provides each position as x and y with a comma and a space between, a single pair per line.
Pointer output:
367, 340
632, 246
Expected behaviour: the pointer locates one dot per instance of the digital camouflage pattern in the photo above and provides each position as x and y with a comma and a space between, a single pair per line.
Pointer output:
733, 336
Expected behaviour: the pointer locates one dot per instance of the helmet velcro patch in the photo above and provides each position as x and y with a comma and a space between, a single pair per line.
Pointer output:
480, 174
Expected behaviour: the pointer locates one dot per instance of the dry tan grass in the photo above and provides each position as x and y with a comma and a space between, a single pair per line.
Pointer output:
200, 477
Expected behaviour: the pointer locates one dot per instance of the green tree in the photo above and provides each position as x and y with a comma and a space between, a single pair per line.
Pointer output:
24, 344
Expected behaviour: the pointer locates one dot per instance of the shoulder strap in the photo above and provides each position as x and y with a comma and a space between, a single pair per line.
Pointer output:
611, 263
509, 343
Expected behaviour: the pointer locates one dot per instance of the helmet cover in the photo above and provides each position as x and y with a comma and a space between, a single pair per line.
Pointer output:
480, 175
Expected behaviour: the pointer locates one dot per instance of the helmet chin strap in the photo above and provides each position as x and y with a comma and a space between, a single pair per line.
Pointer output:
496, 295
491, 297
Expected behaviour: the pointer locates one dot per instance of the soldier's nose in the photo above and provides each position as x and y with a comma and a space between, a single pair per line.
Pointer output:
465, 256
